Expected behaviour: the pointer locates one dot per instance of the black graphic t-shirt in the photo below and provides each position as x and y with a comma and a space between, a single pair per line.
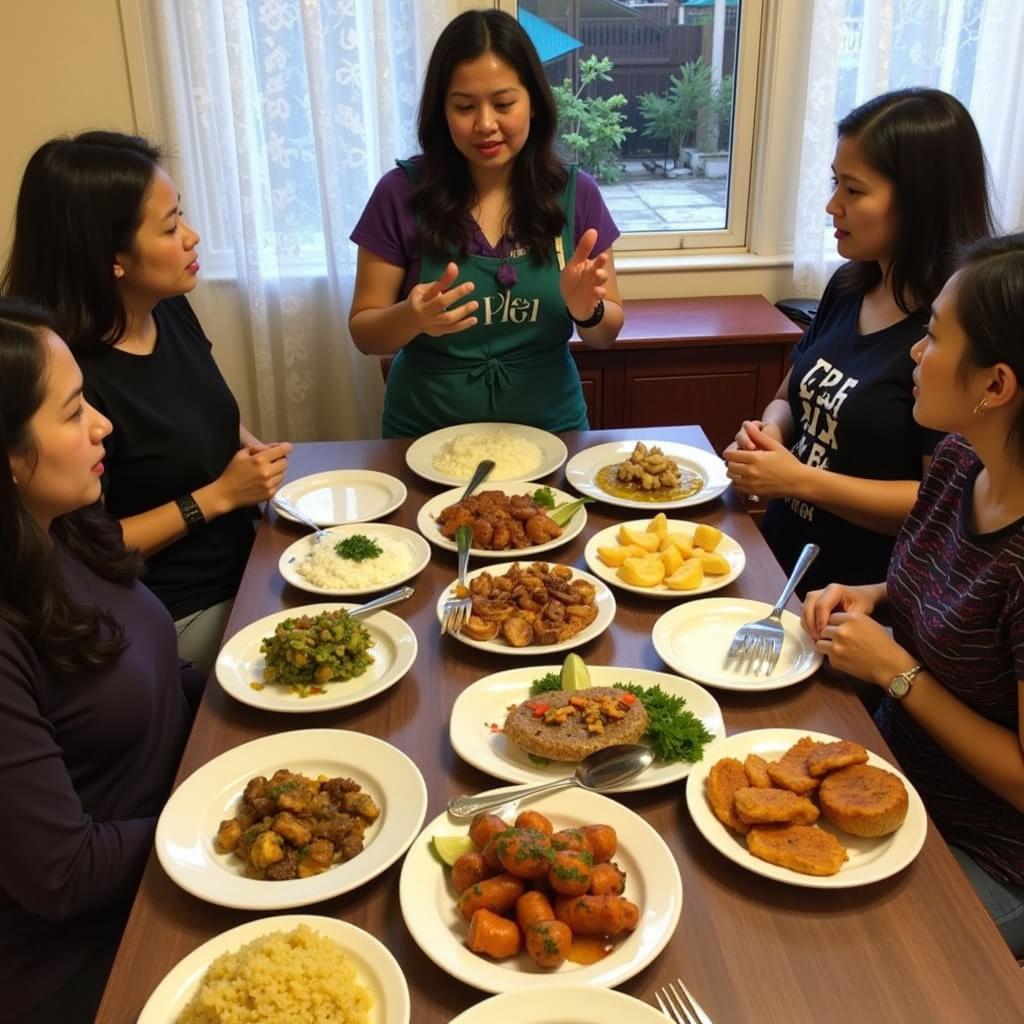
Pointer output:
852, 402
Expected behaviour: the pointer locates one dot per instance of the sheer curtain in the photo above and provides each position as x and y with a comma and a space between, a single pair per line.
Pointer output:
860, 48
282, 116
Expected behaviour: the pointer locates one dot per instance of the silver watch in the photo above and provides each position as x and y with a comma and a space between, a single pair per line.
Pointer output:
900, 685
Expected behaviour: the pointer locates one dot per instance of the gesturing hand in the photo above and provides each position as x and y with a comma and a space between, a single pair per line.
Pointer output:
836, 597
253, 476
583, 279
434, 305
769, 469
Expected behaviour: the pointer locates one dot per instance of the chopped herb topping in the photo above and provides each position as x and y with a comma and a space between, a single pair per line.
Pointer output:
357, 548
551, 681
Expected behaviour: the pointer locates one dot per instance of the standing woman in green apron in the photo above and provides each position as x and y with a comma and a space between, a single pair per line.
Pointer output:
477, 257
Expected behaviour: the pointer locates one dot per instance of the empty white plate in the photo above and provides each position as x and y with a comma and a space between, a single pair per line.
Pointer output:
694, 638
344, 496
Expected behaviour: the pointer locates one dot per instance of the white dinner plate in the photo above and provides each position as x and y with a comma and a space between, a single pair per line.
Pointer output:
605, 614
428, 900
419, 456
570, 1005
487, 700
582, 469
240, 663
870, 860
376, 969
343, 496
426, 520
188, 825
729, 549
693, 639
294, 554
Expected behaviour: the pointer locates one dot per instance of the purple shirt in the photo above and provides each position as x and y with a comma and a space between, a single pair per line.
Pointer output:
86, 763
388, 224
957, 603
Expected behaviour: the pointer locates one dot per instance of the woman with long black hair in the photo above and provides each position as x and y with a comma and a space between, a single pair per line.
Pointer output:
477, 257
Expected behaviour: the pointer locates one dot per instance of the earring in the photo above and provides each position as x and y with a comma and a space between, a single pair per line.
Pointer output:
981, 408
118, 271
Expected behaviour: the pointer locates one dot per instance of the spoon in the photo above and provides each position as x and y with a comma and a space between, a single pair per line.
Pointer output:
296, 513
480, 474
401, 594
603, 769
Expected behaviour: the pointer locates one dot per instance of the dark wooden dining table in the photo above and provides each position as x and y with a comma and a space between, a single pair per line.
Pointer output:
917, 946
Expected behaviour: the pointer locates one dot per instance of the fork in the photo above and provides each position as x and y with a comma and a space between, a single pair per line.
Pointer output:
758, 645
456, 609
682, 1008
295, 512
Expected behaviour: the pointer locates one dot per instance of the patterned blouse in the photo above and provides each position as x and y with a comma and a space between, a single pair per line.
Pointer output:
957, 603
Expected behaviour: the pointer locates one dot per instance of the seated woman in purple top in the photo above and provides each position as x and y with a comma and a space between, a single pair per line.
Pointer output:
476, 258
954, 665
93, 710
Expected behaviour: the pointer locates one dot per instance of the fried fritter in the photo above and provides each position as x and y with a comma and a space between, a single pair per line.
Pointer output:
724, 779
790, 771
804, 848
757, 771
864, 800
828, 757
773, 806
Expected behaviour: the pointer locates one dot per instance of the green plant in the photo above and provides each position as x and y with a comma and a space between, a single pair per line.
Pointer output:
694, 110
592, 128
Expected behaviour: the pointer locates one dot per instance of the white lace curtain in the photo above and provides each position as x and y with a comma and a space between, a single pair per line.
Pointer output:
860, 48
284, 114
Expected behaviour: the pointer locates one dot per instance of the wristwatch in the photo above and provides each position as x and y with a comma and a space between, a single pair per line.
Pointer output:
190, 512
900, 685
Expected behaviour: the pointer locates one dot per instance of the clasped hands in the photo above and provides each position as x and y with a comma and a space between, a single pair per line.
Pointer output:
439, 309
758, 463
839, 620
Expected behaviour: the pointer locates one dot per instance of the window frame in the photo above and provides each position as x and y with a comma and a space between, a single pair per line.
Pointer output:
735, 236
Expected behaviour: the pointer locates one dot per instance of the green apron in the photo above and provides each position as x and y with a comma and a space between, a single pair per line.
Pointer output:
513, 366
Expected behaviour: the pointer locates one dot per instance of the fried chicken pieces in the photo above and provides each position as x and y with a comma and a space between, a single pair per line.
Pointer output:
770, 802
536, 604
500, 521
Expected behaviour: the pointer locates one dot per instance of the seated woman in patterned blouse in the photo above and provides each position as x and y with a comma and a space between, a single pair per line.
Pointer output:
954, 665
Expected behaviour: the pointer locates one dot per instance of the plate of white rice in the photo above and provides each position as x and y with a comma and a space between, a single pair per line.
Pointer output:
449, 456
318, 568
277, 969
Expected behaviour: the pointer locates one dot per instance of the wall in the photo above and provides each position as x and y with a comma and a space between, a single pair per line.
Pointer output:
62, 69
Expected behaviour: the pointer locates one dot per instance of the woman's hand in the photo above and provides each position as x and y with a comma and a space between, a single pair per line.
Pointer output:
820, 604
856, 644
583, 279
748, 437
252, 476
769, 469
433, 305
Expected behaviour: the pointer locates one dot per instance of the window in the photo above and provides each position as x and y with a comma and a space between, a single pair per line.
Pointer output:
656, 101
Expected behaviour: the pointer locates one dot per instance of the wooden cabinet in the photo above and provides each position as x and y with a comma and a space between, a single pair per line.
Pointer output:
710, 361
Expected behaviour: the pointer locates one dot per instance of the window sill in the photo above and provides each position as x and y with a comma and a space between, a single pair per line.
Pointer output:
627, 263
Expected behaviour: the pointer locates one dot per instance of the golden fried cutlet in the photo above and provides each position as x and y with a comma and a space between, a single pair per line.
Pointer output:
726, 776
828, 757
757, 771
864, 800
773, 806
790, 771
804, 848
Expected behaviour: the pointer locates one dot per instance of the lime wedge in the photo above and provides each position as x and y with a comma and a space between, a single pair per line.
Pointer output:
450, 848
574, 673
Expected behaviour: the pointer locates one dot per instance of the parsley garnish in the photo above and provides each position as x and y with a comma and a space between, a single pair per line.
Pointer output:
552, 681
674, 733
544, 497
357, 548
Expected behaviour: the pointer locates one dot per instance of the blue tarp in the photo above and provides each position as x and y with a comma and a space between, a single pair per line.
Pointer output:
550, 42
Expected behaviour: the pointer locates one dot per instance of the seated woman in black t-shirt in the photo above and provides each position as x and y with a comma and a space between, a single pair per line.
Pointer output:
837, 448
100, 239
93, 709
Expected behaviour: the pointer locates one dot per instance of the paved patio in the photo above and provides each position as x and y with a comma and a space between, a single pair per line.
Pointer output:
642, 201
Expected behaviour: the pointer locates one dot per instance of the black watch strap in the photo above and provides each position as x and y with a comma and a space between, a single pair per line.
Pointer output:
190, 512
593, 320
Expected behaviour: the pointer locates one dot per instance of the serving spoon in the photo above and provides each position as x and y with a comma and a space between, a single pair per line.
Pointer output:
480, 474
392, 597
284, 505
603, 769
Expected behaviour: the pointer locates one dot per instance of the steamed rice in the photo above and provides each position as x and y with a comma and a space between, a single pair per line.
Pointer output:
296, 977
514, 456
324, 567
